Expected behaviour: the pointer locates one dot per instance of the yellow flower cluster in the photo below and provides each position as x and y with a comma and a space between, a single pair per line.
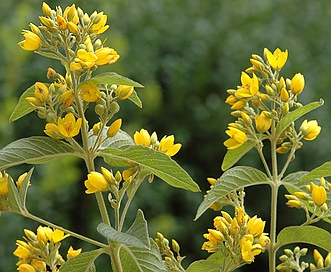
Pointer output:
316, 196
241, 237
262, 100
40, 252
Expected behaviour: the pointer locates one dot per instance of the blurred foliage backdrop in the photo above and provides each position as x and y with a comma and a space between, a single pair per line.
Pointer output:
187, 54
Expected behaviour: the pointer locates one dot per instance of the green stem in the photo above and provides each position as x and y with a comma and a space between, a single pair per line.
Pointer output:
76, 235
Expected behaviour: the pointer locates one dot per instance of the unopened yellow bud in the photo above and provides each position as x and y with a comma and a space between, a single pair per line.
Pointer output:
114, 128
310, 129
46, 9
108, 175
322, 181
328, 260
297, 84
263, 122
318, 194
96, 128
285, 109
284, 96
175, 245
301, 195
294, 204
246, 118
270, 91
123, 92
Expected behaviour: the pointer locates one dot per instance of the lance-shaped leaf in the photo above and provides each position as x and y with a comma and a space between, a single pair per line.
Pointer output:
84, 262
33, 150
23, 188
305, 234
113, 78
294, 115
23, 107
139, 259
136, 236
14, 201
322, 171
234, 155
155, 162
231, 180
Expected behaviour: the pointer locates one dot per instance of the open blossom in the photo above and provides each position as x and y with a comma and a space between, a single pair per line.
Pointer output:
310, 130
277, 59
167, 145
248, 249
237, 138
100, 26
96, 182
32, 41
89, 92
84, 59
106, 55
68, 126
263, 122
249, 86
142, 137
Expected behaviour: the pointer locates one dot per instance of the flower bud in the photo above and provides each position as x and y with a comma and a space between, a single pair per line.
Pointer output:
297, 84
310, 129
114, 128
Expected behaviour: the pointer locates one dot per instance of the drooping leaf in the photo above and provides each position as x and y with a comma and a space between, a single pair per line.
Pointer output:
139, 229
84, 262
305, 234
294, 115
135, 99
121, 140
24, 187
204, 265
322, 171
142, 260
234, 155
231, 180
33, 150
153, 161
14, 201
23, 107
113, 78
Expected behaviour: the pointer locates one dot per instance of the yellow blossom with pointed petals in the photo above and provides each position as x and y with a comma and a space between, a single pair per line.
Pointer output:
100, 26
128, 174
32, 41
262, 122
297, 83
52, 130
114, 128
255, 226
237, 138
89, 92
39, 265
123, 91
84, 59
318, 194
3, 186
310, 130
106, 55
167, 145
249, 86
142, 138
68, 126
21, 179
58, 235
41, 92
248, 249
71, 14
277, 59
61, 22
73, 252
96, 182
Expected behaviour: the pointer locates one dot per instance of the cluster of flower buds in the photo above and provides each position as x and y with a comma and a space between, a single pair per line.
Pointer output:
291, 260
40, 252
315, 197
172, 262
263, 100
240, 238
320, 261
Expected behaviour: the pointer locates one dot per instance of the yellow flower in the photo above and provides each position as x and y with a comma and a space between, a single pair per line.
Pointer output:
255, 226
26, 268
46, 9
100, 26
167, 145
248, 249
71, 14
263, 122
58, 235
73, 253
21, 179
68, 126
96, 182
292, 203
142, 138
22, 251
114, 128
41, 92
318, 194
32, 41
237, 138
61, 22
123, 91
3, 185
89, 92
310, 129
52, 130
39, 265
44, 234
249, 88
128, 174
277, 59
297, 83
106, 55
84, 59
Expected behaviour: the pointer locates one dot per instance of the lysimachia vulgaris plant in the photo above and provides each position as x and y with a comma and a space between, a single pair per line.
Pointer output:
73, 38
267, 111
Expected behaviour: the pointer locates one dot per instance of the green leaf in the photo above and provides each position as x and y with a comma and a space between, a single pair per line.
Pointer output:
14, 201
305, 234
322, 171
121, 140
142, 260
24, 188
135, 99
153, 161
84, 262
231, 180
294, 115
139, 229
234, 155
23, 107
33, 150
113, 78
204, 265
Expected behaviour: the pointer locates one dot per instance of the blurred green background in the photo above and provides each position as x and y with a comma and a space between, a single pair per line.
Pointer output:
187, 54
